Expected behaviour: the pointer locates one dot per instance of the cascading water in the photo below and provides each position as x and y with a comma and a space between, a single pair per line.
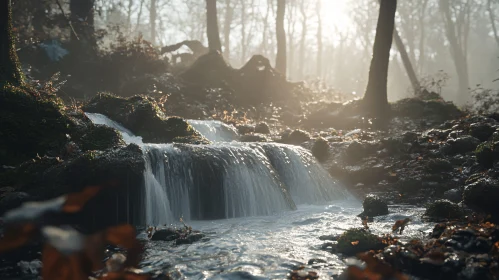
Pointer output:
226, 179
215, 131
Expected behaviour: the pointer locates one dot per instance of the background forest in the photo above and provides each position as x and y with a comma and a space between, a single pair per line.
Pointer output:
327, 40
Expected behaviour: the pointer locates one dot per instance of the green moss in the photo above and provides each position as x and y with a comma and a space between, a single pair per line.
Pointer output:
354, 241
99, 137
486, 154
142, 116
30, 125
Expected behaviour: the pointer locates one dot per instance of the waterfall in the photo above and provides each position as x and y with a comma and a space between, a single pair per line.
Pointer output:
215, 131
226, 179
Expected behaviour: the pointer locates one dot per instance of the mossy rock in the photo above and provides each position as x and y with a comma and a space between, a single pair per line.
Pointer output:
373, 206
320, 149
482, 195
143, 117
438, 165
296, 137
487, 153
262, 128
443, 209
354, 241
30, 125
253, 137
100, 137
435, 110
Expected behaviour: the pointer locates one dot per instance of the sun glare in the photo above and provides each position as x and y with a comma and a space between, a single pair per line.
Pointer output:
335, 16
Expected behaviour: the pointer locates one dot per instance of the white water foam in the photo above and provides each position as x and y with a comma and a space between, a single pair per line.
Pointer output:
215, 131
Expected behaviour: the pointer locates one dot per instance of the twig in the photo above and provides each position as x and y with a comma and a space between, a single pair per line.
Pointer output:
67, 19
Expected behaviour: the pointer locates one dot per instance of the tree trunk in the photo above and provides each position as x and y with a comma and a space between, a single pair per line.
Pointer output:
82, 19
10, 70
407, 62
152, 20
376, 97
492, 21
139, 16
280, 63
302, 41
458, 51
319, 40
243, 31
229, 13
129, 16
212, 26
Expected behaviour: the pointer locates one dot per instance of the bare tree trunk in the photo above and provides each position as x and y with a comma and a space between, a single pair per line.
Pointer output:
492, 21
319, 40
212, 26
376, 96
280, 63
264, 46
82, 18
458, 51
302, 41
243, 31
129, 16
10, 70
140, 14
229, 13
422, 26
152, 20
407, 62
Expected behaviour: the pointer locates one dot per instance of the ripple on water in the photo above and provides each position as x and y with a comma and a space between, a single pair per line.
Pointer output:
270, 247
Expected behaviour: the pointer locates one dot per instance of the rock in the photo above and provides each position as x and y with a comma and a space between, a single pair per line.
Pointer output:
438, 165
30, 125
189, 239
320, 149
13, 200
165, 235
463, 144
481, 131
296, 137
262, 128
245, 129
487, 153
374, 206
254, 137
433, 110
143, 117
483, 195
46, 178
100, 137
354, 241
355, 151
409, 137
454, 195
443, 209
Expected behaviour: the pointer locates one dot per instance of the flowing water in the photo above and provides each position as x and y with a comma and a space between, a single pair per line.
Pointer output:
262, 207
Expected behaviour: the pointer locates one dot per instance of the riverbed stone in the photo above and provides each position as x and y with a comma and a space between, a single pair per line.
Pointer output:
373, 206
443, 209
262, 128
320, 149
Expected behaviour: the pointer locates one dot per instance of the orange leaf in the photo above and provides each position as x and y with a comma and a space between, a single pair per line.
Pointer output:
57, 266
355, 243
16, 236
125, 237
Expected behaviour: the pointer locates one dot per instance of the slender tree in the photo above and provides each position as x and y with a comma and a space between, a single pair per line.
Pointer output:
229, 14
376, 97
407, 62
319, 39
280, 63
492, 20
302, 41
212, 26
10, 70
457, 32
153, 15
